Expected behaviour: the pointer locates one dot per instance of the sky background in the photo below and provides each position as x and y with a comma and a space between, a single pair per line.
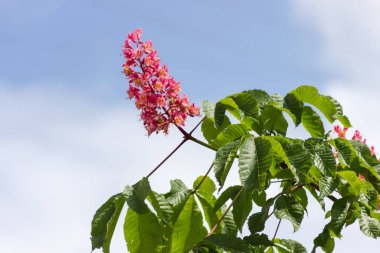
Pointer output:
69, 138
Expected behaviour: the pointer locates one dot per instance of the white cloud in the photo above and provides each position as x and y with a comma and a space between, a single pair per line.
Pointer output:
350, 52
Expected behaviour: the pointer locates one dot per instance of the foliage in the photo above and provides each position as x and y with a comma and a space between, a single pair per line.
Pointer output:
251, 128
174, 222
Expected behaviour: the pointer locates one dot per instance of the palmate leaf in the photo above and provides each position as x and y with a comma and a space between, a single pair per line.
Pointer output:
142, 232
287, 207
255, 159
104, 222
224, 159
188, 229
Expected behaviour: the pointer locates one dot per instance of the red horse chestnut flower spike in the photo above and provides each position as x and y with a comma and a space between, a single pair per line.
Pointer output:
154, 90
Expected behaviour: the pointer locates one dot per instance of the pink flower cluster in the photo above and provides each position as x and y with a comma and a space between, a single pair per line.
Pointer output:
341, 132
154, 90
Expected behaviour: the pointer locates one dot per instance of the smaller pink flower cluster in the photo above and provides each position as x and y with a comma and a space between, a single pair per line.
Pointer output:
155, 91
341, 132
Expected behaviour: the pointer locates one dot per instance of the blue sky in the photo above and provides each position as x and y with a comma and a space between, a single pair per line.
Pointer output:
70, 138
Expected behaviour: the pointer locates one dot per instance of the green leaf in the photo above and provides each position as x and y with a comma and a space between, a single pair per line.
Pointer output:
326, 104
261, 96
364, 153
368, 225
219, 113
210, 132
142, 232
255, 159
289, 246
240, 105
224, 159
229, 225
246, 103
231, 133
242, 206
297, 157
136, 194
258, 240
301, 197
228, 242
345, 150
294, 105
188, 229
312, 122
325, 241
256, 222
325, 161
259, 197
211, 217
208, 109
178, 192
353, 213
273, 121
327, 186
372, 195
229, 193
207, 200
279, 102
161, 206
355, 182
339, 214
205, 185
104, 222
345, 121
287, 207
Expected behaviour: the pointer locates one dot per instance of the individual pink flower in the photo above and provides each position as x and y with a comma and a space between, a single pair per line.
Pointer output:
361, 177
357, 136
372, 149
154, 90
341, 132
